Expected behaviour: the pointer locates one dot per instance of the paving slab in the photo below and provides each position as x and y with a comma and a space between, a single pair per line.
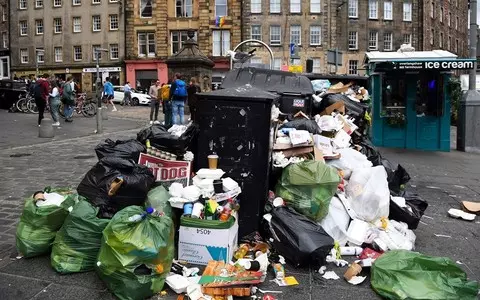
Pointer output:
65, 292
18, 287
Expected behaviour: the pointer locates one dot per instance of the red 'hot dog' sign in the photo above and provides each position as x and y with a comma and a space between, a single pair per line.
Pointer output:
167, 171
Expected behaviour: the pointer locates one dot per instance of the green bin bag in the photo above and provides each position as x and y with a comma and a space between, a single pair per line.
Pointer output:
402, 274
158, 199
308, 187
136, 257
38, 225
77, 243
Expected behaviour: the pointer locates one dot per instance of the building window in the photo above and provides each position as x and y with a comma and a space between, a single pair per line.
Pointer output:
4, 13
58, 53
295, 6
373, 40
441, 14
96, 23
220, 8
177, 40
456, 46
146, 9
372, 9
316, 65
57, 3
40, 55
387, 10
77, 24
407, 38
77, 2
449, 43
256, 6
256, 32
146, 44
296, 62
23, 27
275, 35
4, 40
315, 6
22, 4
184, 8
113, 22
275, 6
221, 42
77, 53
38, 3
277, 63
456, 23
113, 51
96, 51
24, 56
296, 34
57, 25
96, 1
407, 11
353, 8
353, 67
352, 40
38, 27
432, 36
315, 35
387, 41
432, 10
449, 20
441, 40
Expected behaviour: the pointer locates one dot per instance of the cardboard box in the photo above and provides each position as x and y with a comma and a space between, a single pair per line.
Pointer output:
201, 245
167, 171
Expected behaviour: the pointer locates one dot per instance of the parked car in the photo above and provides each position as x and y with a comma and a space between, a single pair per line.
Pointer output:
137, 98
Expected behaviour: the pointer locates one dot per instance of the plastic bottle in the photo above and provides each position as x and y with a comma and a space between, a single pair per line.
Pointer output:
350, 250
242, 251
152, 211
135, 218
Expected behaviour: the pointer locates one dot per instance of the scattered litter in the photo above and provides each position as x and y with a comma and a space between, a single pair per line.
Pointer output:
460, 214
322, 270
459, 262
432, 187
459, 186
424, 223
428, 217
330, 275
287, 281
356, 280
269, 292
442, 235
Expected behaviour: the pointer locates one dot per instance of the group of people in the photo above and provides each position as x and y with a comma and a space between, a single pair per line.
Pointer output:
173, 96
53, 93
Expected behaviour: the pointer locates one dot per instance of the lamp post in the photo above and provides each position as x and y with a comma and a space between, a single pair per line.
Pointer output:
37, 51
97, 52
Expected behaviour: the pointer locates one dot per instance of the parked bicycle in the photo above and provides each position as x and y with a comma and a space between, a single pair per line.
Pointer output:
83, 106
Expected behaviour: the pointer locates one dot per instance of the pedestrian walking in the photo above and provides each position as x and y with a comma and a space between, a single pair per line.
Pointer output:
68, 99
41, 92
178, 95
167, 104
108, 93
192, 91
155, 103
127, 94
54, 103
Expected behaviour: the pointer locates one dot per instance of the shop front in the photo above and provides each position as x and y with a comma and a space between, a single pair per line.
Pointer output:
141, 73
89, 76
411, 103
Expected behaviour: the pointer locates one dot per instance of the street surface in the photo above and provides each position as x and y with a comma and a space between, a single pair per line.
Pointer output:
29, 163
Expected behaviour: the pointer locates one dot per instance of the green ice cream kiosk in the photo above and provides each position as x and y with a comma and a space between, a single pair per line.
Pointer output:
410, 102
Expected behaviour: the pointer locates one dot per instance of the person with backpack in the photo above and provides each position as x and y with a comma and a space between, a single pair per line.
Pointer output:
166, 103
178, 95
192, 91
68, 99
41, 93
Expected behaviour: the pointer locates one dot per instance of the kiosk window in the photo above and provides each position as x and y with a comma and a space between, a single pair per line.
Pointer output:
393, 95
429, 95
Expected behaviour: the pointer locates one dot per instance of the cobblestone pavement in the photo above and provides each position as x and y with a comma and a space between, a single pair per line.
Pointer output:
443, 179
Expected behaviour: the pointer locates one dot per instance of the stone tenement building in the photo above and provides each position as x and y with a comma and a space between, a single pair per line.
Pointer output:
156, 30
4, 42
60, 36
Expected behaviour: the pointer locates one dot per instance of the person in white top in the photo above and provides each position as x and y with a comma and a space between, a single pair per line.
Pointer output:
54, 102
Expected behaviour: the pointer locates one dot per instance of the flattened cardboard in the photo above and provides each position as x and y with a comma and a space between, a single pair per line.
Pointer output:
471, 207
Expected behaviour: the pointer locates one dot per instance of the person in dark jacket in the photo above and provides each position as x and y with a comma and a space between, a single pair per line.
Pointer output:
41, 94
192, 91
178, 94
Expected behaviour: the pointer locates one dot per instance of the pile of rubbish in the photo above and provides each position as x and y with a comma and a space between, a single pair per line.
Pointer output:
143, 219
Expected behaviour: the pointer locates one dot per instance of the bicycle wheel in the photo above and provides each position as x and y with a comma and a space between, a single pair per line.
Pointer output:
89, 110
61, 111
32, 106
22, 105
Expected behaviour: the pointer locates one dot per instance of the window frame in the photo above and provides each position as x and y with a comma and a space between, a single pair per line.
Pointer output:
218, 5
299, 29
279, 35
255, 6
410, 38
110, 22
5, 40
73, 24
57, 5
24, 50
312, 28
353, 70
353, 6
314, 67
55, 54
180, 34
356, 41
37, 27
95, 52
277, 59
24, 6
275, 4
296, 6
55, 25
407, 13
100, 23
315, 6
148, 43
370, 10
260, 31
76, 2
110, 48
390, 16
37, 55
223, 47
140, 11
385, 40
183, 9
96, 2
20, 27
441, 14
75, 54
4, 13
440, 43
370, 47
37, 5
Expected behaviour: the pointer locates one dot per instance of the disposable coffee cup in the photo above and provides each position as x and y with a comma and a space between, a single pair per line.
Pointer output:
212, 161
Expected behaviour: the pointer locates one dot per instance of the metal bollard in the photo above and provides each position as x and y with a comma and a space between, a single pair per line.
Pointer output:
104, 113
46, 129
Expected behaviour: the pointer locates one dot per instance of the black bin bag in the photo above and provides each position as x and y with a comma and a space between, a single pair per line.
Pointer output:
404, 214
95, 186
298, 239
397, 176
303, 124
161, 139
128, 149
